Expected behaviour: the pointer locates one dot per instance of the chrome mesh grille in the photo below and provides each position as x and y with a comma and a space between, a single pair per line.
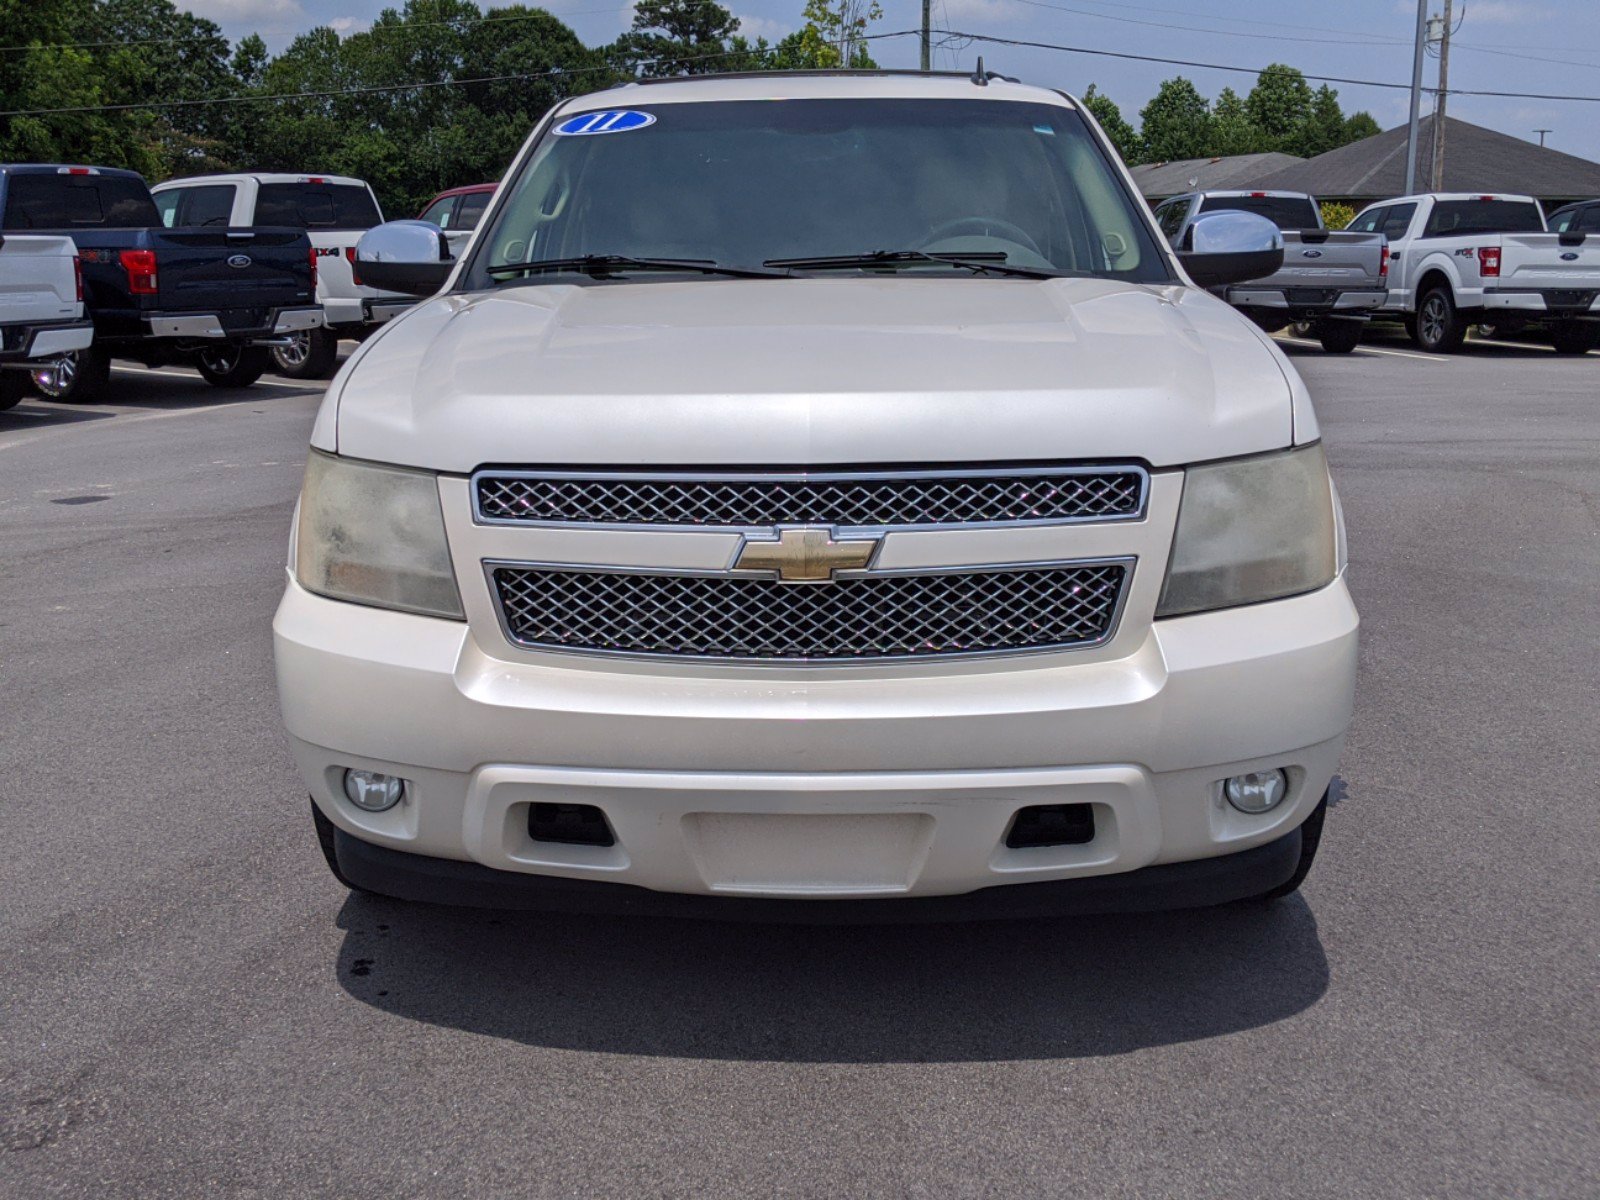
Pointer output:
860, 500
855, 617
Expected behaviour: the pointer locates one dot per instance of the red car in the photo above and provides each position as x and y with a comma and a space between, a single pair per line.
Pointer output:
459, 208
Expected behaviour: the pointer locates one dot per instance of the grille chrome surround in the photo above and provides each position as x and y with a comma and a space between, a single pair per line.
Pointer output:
861, 617
844, 499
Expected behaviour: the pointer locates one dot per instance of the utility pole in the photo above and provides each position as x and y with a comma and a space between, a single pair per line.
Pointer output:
927, 11
1416, 97
1444, 92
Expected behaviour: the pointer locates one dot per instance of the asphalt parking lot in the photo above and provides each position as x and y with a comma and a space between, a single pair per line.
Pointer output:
191, 1006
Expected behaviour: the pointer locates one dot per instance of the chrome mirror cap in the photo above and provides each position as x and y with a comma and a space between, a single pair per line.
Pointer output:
1230, 246
410, 257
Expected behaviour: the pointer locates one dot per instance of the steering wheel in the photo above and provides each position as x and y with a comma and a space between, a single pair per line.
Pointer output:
982, 227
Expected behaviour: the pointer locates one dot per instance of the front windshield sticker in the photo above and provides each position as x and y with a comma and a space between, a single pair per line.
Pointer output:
609, 121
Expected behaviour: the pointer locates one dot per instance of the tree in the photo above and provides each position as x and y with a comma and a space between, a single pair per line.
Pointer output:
1176, 123
1279, 104
676, 37
1324, 126
1232, 130
1104, 110
1360, 125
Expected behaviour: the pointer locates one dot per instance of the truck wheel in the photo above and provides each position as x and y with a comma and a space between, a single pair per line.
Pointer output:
310, 354
232, 366
324, 828
13, 387
1439, 327
1575, 337
77, 377
1310, 839
1338, 337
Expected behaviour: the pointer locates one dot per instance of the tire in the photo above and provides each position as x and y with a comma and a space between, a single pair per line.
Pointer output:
311, 354
77, 377
1575, 337
325, 842
232, 366
1439, 326
1338, 337
1310, 839
13, 388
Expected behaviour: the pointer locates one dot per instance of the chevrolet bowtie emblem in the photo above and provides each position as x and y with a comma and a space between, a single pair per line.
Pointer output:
806, 555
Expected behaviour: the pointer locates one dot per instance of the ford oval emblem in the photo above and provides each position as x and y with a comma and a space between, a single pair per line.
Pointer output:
1570, 256
238, 261
1311, 254
609, 120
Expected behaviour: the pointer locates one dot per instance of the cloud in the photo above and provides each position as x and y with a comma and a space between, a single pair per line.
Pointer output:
958, 12
273, 13
345, 26
763, 27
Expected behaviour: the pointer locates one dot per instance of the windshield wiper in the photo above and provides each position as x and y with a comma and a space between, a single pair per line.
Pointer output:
616, 264
984, 262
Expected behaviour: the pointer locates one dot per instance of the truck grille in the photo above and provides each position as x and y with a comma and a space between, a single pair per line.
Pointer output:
854, 617
844, 499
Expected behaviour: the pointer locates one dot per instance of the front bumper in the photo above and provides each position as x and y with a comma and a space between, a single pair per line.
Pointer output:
28, 344
216, 326
899, 782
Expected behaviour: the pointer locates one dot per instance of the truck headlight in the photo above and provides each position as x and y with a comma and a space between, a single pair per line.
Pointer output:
1250, 530
374, 535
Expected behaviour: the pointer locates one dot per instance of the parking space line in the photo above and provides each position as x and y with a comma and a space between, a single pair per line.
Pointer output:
195, 375
1416, 354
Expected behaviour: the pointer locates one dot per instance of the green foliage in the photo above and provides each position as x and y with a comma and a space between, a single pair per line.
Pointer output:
1123, 135
1233, 131
1360, 125
1280, 105
676, 37
1176, 123
1336, 215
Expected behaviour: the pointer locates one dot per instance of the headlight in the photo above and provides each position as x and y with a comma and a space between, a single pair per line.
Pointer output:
1250, 530
374, 535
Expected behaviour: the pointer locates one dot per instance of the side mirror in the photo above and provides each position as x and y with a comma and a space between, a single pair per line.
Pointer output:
1230, 247
410, 257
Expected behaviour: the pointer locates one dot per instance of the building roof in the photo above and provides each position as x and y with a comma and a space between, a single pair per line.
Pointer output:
1475, 160
1157, 181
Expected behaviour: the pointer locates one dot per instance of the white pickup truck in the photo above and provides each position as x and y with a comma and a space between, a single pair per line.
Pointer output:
335, 211
1330, 280
41, 308
1459, 259
913, 536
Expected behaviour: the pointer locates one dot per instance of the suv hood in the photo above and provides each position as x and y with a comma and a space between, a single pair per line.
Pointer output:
807, 372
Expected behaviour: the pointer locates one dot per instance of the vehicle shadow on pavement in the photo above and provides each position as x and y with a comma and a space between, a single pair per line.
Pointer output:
986, 991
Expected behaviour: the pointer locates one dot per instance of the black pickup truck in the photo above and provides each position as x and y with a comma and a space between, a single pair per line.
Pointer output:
213, 297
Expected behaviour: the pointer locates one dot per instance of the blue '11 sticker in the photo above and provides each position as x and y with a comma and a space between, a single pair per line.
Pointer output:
609, 121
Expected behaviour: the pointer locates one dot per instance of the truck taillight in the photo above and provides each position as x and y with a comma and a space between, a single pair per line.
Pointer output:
355, 273
311, 256
141, 268
77, 277
1383, 262
1489, 261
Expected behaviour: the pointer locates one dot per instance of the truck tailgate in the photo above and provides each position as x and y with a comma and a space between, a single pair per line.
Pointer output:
218, 270
1539, 260
37, 279
1346, 261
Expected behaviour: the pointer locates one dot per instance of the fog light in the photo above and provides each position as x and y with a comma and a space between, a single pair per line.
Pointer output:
1257, 792
371, 791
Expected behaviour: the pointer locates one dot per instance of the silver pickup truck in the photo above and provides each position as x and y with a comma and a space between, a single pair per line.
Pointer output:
1329, 281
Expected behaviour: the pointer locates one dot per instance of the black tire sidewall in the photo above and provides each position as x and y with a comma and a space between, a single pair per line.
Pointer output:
1453, 331
251, 365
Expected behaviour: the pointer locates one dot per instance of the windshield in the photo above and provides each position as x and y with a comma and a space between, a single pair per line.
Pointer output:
739, 183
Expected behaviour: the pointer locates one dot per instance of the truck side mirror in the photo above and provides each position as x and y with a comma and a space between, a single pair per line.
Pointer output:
1230, 246
410, 257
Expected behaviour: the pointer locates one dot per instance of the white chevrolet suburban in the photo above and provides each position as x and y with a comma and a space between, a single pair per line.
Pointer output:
41, 308
334, 210
818, 496
1460, 260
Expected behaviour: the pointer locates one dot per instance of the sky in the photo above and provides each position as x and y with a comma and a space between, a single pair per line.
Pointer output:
1542, 46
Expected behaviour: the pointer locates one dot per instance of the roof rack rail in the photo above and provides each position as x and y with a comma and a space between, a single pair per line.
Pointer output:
797, 71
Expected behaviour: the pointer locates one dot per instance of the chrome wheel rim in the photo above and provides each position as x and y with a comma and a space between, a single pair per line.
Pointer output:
296, 352
56, 379
1433, 319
